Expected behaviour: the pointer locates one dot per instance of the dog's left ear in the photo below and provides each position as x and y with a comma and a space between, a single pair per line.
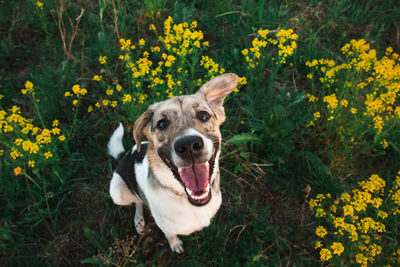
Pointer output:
216, 90
139, 127
219, 87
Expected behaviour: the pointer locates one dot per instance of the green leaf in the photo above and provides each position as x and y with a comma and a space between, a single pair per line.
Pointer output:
245, 138
91, 260
94, 239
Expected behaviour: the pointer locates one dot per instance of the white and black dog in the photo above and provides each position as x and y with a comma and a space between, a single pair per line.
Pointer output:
176, 173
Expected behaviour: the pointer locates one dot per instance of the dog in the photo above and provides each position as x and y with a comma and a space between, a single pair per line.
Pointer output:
176, 172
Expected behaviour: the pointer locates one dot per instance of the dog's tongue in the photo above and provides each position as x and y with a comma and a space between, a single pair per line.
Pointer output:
195, 177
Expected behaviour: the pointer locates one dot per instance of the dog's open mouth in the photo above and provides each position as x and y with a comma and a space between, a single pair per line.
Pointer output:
195, 179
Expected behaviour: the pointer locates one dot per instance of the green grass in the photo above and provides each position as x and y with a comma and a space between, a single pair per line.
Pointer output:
264, 219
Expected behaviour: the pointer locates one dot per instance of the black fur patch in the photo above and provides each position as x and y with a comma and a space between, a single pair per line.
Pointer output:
126, 167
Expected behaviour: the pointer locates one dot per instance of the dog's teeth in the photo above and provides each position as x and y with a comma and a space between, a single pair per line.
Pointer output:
196, 197
207, 164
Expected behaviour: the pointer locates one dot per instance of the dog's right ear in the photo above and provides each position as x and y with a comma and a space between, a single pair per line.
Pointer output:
140, 125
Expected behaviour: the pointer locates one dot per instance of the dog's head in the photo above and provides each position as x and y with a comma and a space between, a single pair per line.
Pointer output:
183, 133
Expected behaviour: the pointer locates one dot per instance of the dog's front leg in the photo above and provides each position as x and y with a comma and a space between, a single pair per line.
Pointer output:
174, 242
139, 219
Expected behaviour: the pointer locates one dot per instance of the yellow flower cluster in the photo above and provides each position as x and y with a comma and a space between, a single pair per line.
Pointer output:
26, 142
395, 195
39, 4
182, 38
350, 220
286, 44
126, 45
103, 59
28, 88
366, 86
212, 67
241, 81
285, 41
316, 115
97, 78
76, 94
162, 70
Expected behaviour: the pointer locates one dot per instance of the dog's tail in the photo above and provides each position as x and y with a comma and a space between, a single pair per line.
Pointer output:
115, 146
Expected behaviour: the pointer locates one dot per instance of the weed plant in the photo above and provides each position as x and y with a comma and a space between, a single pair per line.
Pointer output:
358, 98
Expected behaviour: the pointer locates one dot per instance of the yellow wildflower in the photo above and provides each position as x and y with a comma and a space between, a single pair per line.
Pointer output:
193, 25
126, 98
332, 101
125, 44
55, 123
263, 33
348, 210
39, 4
318, 245
325, 254
55, 130
102, 59
114, 103
17, 171
382, 214
152, 27
242, 80
97, 78
361, 259
337, 248
28, 88
321, 231
109, 91
312, 98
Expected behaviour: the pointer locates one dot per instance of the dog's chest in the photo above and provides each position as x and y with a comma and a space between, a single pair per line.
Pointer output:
176, 215
172, 213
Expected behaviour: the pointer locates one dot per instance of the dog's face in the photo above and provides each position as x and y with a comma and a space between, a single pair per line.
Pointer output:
184, 133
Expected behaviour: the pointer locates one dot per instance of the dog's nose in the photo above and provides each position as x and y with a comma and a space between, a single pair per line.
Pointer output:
188, 146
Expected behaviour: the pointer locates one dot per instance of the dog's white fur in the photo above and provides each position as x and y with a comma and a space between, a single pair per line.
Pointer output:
115, 146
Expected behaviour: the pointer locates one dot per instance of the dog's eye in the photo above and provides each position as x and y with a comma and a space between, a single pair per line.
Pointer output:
162, 124
203, 116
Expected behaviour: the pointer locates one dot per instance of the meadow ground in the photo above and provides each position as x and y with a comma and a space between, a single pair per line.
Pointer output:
311, 144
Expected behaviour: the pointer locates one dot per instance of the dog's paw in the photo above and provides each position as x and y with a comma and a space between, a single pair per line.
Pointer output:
176, 245
139, 225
